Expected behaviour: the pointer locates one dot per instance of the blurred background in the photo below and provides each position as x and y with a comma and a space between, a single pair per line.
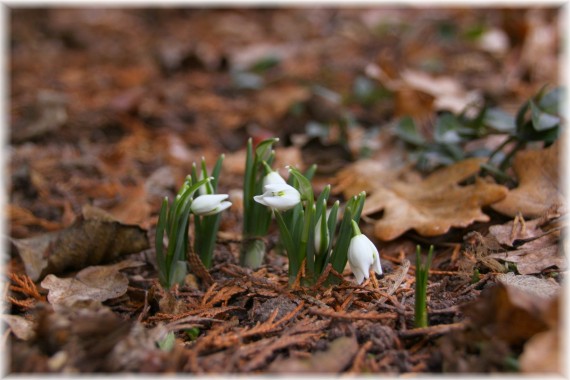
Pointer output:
111, 106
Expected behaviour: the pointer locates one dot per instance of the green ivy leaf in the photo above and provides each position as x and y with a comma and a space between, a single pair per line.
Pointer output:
447, 129
407, 131
541, 120
499, 120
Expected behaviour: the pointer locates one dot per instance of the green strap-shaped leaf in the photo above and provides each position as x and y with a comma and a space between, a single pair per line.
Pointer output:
305, 187
292, 254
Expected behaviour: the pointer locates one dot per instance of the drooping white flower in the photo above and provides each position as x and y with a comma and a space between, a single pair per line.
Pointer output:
279, 196
273, 178
362, 254
210, 204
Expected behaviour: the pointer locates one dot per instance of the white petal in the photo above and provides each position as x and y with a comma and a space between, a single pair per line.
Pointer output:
261, 199
377, 265
359, 275
279, 196
278, 187
205, 204
273, 178
281, 203
221, 207
361, 254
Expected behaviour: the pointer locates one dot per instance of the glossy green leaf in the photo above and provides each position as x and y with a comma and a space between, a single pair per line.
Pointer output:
447, 129
541, 120
499, 120
407, 131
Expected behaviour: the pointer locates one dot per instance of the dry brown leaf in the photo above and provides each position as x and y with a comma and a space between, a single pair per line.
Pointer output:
20, 216
537, 287
513, 313
431, 206
133, 206
94, 238
337, 357
97, 283
533, 260
542, 353
367, 175
539, 251
448, 92
273, 102
21, 327
538, 172
438, 93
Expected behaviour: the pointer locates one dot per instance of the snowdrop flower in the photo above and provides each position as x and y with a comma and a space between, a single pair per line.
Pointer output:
318, 233
279, 196
362, 254
210, 204
273, 178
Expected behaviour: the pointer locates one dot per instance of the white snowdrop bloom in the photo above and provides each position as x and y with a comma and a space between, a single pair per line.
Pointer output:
362, 254
279, 196
210, 204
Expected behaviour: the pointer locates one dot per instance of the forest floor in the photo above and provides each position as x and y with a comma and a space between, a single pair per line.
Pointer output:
109, 109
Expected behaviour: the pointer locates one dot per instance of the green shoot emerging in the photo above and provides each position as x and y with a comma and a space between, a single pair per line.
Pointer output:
422, 272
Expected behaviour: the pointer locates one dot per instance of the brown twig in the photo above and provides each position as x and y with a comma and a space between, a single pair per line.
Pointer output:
353, 315
359, 358
432, 330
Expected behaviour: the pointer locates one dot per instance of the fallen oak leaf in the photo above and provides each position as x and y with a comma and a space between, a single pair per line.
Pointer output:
531, 261
538, 172
516, 309
94, 238
434, 205
537, 287
519, 232
94, 283
21, 327
365, 175
535, 250
337, 357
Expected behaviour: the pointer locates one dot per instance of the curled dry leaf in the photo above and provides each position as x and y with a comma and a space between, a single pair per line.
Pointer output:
368, 175
94, 238
21, 327
433, 205
516, 309
537, 244
95, 283
538, 172
537, 287
541, 353
337, 357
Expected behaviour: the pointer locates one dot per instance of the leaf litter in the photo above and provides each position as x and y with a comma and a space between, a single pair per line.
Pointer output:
123, 140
